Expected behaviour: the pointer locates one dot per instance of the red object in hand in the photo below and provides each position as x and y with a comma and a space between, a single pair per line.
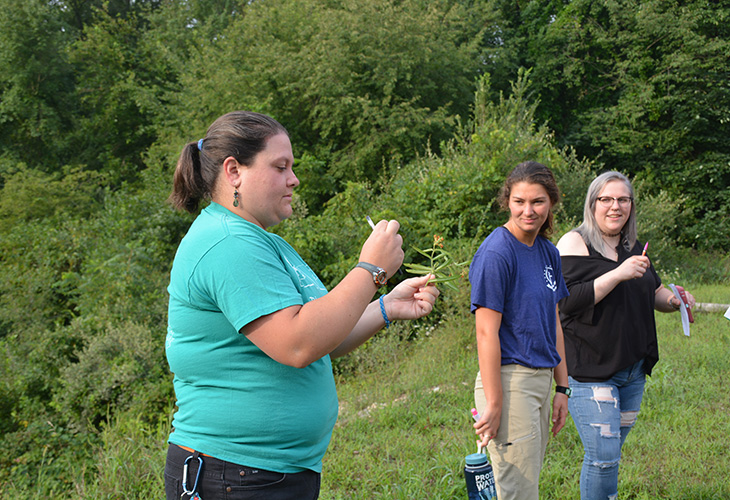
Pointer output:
685, 304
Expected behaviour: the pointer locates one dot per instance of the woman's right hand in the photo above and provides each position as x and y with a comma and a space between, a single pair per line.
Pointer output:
633, 267
384, 247
488, 424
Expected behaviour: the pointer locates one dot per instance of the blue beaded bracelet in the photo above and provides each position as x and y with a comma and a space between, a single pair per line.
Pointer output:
382, 311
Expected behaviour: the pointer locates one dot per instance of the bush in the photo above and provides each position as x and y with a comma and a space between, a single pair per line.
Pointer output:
122, 367
128, 459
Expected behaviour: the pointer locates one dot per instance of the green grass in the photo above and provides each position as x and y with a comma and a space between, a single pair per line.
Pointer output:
404, 429
717, 294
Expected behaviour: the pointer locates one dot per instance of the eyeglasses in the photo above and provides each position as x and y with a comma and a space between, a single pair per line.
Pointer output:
607, 201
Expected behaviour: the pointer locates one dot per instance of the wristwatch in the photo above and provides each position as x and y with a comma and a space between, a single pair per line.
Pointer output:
565, 390
380, 277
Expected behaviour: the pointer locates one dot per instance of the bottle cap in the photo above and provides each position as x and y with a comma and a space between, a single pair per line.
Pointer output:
477, 459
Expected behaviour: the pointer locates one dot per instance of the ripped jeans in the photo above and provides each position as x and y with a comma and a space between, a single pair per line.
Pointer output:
604, 413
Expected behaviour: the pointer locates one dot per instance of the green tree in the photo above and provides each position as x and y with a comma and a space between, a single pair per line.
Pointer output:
36, 84
42, 244
186, 38
361, 86
453, 194
80, 13
122, 77
514, 40
644, 87
83, 275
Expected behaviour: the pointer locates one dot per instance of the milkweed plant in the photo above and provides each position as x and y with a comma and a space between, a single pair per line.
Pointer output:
441, 264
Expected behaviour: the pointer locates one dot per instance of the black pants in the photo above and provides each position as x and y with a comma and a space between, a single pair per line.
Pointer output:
221, 480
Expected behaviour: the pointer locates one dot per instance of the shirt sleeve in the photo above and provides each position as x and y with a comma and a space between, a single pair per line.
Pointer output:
488, 275
246, 279
581, 300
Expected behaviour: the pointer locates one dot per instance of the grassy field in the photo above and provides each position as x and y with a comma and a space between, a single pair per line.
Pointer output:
405, 428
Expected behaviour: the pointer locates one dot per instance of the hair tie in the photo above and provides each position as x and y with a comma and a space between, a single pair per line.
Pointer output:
200, 145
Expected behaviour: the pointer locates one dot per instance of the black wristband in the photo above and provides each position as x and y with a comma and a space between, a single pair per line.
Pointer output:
564, 390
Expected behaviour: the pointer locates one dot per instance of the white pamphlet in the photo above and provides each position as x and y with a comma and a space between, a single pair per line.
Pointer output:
683, 308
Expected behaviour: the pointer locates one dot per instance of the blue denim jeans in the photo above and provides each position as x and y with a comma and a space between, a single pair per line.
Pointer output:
604, 413
219, 480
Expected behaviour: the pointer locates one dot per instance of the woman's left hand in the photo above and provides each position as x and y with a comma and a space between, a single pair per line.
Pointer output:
676, 303
411, 299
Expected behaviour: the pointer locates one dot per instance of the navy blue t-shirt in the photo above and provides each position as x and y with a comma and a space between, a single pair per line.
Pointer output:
524, 284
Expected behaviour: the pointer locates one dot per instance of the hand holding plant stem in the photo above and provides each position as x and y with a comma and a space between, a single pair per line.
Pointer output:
441, 264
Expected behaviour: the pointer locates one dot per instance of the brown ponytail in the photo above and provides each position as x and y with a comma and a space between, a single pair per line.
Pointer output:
188, 185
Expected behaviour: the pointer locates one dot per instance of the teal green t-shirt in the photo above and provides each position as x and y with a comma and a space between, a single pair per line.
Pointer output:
234, 402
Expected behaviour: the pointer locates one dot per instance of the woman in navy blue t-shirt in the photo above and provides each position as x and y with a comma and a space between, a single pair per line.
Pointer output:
516, 284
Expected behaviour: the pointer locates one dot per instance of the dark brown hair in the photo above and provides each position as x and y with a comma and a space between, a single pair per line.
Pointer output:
240, 134
532, 172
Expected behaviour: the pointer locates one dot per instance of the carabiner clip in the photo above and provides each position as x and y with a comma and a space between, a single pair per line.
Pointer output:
194, 489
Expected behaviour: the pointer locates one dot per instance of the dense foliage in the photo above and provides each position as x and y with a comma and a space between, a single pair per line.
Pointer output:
408, 109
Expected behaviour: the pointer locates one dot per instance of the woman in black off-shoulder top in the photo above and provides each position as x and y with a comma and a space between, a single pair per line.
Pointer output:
609, 328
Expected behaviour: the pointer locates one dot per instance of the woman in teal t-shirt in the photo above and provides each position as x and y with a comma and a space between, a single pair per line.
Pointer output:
251, 327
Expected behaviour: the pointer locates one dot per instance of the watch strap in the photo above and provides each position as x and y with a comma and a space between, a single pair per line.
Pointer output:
380, 277
564, 390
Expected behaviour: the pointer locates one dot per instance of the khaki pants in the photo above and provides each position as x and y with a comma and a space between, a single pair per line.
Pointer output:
518, 450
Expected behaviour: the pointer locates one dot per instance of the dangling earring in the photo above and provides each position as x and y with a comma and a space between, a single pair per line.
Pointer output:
235, 197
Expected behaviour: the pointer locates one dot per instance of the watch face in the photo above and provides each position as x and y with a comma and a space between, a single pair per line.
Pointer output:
379, 275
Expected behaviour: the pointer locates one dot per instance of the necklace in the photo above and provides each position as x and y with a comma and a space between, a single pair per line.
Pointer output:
611, 235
